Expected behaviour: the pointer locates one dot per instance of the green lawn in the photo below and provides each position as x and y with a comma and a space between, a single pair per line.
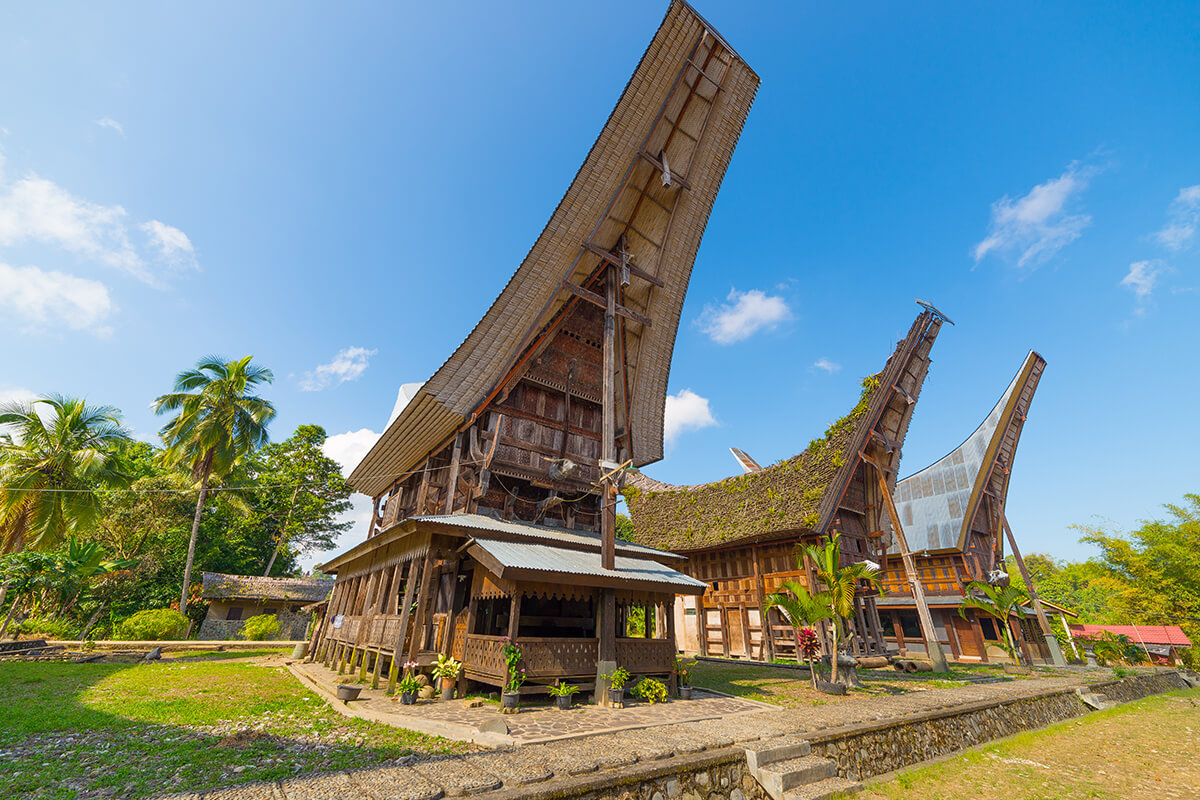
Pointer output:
1148, 749
793, 689
69, 729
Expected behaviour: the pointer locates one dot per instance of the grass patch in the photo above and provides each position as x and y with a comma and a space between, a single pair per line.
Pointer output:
1146, 749
218, 655
71, 729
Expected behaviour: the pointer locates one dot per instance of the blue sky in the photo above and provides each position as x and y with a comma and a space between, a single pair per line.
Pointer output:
351, 185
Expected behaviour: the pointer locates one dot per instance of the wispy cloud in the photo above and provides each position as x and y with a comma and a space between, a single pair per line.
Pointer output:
827, 365
43, 299
1183, 218
686, 411
36, 210
742, 315
1037, 225
111, 124
347, 365
1142, 279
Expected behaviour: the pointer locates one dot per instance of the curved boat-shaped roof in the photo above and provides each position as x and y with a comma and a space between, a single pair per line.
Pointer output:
802, 494
688, 98
938, 504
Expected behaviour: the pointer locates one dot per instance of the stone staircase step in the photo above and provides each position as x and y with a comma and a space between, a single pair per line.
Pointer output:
779, 777
1095, 700
823, 789
768, 751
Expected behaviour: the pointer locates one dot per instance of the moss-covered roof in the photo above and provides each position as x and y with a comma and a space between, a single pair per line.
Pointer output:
785, 496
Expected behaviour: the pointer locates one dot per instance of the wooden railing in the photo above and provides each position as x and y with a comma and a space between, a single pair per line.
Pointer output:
548, 658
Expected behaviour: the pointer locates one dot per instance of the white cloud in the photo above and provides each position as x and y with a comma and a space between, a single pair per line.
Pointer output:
827, 365
1142, 279
16, 395
1037, 225
54, 298
349, 448
686, 411
742, 315
1183, 218
111, 124
172, 244
34, 209
347, 365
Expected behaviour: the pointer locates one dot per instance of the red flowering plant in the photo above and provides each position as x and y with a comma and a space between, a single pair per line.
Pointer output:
512, 658
810, 648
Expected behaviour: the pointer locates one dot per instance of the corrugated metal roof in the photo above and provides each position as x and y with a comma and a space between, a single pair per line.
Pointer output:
541, 532
555, 561
1150, 634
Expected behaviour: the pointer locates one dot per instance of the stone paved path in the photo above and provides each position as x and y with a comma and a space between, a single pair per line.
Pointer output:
532, 724
430, 777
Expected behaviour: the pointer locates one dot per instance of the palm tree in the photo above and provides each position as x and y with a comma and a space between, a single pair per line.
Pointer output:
802, 609
218, 423
997, 602
841, 584
56, 453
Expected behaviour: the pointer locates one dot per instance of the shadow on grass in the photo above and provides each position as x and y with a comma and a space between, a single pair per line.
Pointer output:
70, 730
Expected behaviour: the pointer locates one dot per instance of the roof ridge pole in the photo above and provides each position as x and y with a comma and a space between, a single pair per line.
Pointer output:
932, 646
1056, 654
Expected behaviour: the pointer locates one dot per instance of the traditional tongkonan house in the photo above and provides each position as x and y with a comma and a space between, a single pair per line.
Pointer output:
741, 534
952, 514
495, 488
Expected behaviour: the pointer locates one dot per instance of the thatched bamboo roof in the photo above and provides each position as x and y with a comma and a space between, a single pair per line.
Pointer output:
799, 495
939, 504
617, 188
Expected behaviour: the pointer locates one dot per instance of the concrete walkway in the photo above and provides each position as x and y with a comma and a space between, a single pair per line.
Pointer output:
483, 724
567, 765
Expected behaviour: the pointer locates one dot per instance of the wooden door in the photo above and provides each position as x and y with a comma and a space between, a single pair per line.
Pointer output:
970, 640
735, 631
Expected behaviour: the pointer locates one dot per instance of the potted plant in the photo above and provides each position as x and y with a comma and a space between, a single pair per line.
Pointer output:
446, 672
409, 685
515, 675
561, 692
616, 685
683, 675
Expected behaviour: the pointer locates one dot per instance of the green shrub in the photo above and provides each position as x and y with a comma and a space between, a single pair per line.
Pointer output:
259, 628
154, 624
49, 628
651, 690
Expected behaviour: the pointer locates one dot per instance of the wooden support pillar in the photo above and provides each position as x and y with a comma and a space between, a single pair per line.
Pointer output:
932, 646
423, 601
606, 657
514, 617
767, 645
702, 625
606, 633
452, 478
410, 581
1056, 654
452, 568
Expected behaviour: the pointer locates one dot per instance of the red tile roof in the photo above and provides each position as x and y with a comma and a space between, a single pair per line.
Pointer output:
1150, 634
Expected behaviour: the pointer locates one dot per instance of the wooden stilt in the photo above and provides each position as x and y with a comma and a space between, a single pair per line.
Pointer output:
1056, 654
932, 646
398, 647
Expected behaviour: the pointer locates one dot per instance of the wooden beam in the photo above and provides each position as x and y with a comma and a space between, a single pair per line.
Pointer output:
423, 597
595, 299
707, 77
1056, 654
932, 647
452, 478
675, 177
410, 580
612, 258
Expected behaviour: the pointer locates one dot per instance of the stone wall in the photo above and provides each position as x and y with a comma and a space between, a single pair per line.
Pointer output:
1138, 686
292, 627
714, 775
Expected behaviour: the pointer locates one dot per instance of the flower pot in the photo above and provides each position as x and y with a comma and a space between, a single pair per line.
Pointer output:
408, 698
346, 693
616, 697
509, 699
563, 701
300, 650
685, 693
448, 688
